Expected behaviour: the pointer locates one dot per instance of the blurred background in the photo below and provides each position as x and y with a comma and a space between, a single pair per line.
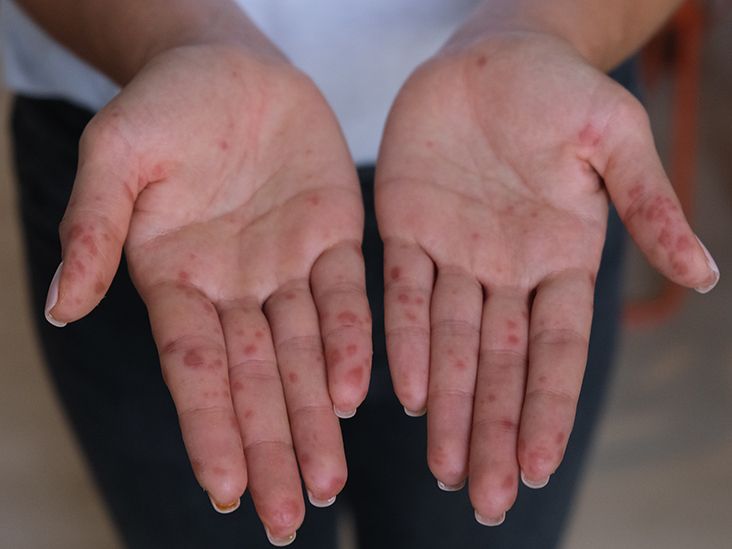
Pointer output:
660, 473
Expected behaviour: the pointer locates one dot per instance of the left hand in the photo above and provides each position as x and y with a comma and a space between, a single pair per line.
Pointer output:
492, 192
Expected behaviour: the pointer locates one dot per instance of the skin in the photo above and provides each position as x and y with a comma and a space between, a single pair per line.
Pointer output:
498, 163
242, 226
238, 207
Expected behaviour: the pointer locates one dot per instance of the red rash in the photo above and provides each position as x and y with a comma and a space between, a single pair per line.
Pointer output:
403, 298
348, 317
395, 273
635, 191
334, 357
460, 365
290, 296
250, 349
589, 136
511, 325
354, 376
99, 288
293, 377
419, 301
219, 471
512, 339
88, 243
193, 359
491, 397
238, 386
224, 145
314, 200
411, 316
481, 61
559, 439
183, 276
259, 334
351, 349
248, 414
508, 482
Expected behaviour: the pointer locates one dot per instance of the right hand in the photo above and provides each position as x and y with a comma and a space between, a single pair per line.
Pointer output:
226, 178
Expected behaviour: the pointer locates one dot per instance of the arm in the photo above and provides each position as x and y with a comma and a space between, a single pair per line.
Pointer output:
119, 38
605, 33
499, 160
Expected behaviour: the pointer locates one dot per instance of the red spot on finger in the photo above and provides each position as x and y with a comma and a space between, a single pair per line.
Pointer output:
511, 325
75, 231
475, 236
664, 238
542, 379
290, 296
560, 437
395, 273
238, 386
193, 359
293, 377
351, 349
305, 458
334, 357
99, 287
419, 301
512, 339
403, 298
354, 376
89, 244
183, 276
508, 482
259, 334
250, 349
248, 413
348, 317
411, 316
314, 200
481, 61
223, 145
680, 268
460, 365
635, 191
683, 243
491, 397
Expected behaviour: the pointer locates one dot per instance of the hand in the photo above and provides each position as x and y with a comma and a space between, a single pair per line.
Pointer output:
227, 180
492, 194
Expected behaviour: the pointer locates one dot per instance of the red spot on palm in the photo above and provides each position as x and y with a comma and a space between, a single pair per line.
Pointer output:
395, 273
589, 136
193, 359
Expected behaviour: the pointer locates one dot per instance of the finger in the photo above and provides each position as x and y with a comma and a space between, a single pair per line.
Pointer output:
561, 317
455, 336
499, 396
314, 425
408, 280
194, 364
274, 482
627, 160
95, 225
339, 288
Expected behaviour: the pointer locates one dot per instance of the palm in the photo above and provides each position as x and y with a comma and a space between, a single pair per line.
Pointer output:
493, 215
245, 224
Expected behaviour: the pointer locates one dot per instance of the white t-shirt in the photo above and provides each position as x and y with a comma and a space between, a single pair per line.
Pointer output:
358, 53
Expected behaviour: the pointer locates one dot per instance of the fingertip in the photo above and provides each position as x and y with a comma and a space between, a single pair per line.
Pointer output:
534, 484
225, 508
713, 268
52, 298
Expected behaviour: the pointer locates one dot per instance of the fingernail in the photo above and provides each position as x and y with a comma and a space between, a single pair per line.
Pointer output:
712, 267
52, 298
344, 415
485, 521
447, 488
280, 542
320, 502
227, 508
534, 485
418, 413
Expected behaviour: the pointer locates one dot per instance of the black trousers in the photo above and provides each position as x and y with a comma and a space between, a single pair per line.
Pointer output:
105, 369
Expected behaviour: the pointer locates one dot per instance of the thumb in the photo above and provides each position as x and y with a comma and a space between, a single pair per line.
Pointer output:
627, 160
95, 225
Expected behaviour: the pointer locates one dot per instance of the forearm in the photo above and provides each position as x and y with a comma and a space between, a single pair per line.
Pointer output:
604, 32
119, 38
